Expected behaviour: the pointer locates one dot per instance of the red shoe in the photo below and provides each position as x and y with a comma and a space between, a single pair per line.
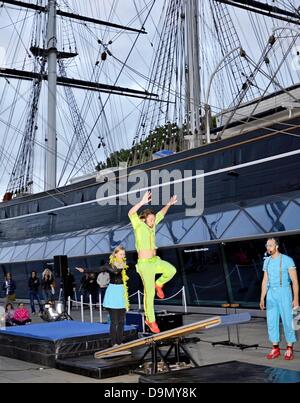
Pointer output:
152, 326
275, 352
159, 292
289, 354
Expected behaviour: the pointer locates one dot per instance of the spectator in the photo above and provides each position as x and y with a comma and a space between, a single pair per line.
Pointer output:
103, 280
21, 316
48, 285
9, 286
92, 287
33, 285
9, 314
84, 287
68, 285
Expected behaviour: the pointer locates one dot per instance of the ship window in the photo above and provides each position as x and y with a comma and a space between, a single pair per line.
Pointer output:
54, 248
36, 251
20, 253
75, 246
6, 254
242, 226
97, 244
203, 274
290, 218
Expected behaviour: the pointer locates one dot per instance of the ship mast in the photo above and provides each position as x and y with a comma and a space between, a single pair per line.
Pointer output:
51, 141
21, 178
193, 74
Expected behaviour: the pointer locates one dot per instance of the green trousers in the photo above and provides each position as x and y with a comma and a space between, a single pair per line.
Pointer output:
147, 269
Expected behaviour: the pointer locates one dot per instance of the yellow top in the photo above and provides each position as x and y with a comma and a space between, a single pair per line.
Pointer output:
144, 235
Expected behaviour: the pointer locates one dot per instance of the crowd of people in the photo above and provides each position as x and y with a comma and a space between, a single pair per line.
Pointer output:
16, 317
43, 291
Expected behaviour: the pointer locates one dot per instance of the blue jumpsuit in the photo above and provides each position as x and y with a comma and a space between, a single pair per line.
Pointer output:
279, 297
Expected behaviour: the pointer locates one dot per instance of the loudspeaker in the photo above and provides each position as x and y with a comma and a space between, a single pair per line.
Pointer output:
168, 321
135, 319
61, 265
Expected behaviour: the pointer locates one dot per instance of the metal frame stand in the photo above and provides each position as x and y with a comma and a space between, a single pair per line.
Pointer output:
154, 349
228, 342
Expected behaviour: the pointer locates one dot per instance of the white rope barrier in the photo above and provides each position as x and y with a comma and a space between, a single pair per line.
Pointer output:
100, 308
139, 300
182, 290
91, 306
76, 299
132, 295
69, 305
91, 309
85, 303
167, 299
184, 300
138, 293
81, 308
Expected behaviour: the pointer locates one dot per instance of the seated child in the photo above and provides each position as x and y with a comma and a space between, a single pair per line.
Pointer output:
9, 314
21, 316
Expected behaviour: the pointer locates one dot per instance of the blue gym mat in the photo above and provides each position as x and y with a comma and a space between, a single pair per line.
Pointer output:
60, 330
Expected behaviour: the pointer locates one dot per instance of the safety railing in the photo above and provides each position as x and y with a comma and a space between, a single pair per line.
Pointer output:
80, 304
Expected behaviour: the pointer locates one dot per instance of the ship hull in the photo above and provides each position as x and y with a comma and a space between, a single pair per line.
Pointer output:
53, 212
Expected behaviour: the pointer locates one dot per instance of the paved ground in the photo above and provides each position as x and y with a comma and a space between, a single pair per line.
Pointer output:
14, 371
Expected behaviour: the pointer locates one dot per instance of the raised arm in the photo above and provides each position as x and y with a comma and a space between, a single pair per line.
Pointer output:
97, 270
145, 200
105, 268
80, 269
172, 201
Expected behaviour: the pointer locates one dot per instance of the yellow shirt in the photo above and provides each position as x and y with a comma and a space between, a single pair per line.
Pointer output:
144, 235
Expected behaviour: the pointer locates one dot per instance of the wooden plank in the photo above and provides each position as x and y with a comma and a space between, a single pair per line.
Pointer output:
178, 332
168, 334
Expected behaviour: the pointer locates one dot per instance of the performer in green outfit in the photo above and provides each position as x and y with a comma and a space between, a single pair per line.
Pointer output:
149, 264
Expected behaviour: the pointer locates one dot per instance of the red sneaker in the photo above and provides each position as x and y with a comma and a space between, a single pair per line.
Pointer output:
275, 352
289, 354
159, 292
152, 326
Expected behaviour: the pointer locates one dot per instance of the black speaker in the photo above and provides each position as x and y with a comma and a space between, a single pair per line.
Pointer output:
61, 265
168, 321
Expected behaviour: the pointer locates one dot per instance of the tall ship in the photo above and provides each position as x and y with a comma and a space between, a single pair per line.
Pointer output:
101, 101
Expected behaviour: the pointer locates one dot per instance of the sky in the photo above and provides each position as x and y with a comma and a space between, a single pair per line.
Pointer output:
88, 49
120, 122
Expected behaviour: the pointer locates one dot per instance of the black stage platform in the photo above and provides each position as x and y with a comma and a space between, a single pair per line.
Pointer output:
110, 367
228, 372
46, 343
99, 369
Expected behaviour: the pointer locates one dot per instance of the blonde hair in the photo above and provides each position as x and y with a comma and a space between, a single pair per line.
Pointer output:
125, 278
47, 271
117, 250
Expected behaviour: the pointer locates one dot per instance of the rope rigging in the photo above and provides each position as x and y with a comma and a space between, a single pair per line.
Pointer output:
98, 127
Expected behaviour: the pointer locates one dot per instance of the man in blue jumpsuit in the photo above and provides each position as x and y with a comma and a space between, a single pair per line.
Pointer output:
279, 273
